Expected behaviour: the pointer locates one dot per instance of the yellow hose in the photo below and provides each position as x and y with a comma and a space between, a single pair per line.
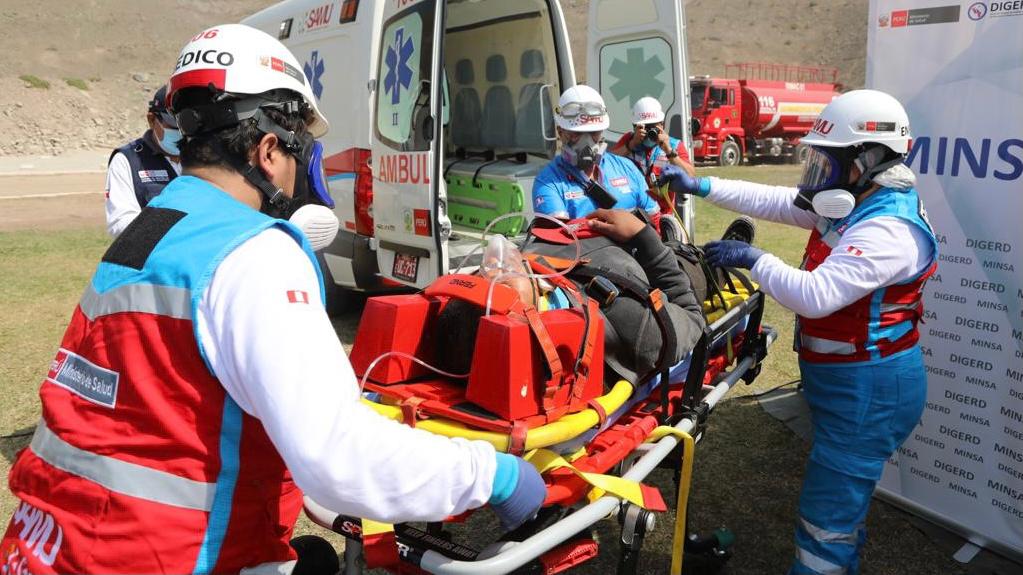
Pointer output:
564, 429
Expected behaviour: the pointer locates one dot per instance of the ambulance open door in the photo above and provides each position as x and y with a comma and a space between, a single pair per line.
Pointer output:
637, 48
407, 132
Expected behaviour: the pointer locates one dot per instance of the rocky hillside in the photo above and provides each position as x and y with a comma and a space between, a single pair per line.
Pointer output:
75, 75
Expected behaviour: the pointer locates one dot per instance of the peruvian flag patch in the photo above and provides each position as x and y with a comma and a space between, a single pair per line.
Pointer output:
298, 296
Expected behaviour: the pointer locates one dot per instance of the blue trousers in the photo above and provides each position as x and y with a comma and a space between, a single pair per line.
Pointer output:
861, 414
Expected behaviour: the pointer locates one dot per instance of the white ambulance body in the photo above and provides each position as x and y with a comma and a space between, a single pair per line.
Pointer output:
441, 114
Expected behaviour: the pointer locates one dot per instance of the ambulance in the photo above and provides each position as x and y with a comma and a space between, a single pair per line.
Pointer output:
442, 114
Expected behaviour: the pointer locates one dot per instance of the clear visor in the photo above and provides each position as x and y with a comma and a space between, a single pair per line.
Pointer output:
821, 171
576, 109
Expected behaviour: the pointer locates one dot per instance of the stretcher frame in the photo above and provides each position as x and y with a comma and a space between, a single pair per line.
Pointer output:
432, 552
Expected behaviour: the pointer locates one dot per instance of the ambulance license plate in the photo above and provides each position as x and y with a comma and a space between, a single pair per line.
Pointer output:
405, 267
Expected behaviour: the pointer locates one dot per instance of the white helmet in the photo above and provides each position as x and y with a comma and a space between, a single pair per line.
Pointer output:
647, 111
242, 60
859, 117
582, 109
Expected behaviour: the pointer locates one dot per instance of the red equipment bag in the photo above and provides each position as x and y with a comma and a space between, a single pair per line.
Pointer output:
528, 368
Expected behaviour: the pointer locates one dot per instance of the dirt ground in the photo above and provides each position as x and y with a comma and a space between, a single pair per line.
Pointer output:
51, 202
749, 466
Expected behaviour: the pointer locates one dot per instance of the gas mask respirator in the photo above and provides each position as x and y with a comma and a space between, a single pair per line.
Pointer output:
584, 153
311, 207
825, 188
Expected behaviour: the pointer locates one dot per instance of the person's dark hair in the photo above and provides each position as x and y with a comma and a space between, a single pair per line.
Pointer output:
455, 336
230, 146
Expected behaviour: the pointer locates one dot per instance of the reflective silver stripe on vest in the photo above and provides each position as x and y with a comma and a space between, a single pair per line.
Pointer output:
817, 564
890, 307
145, 298
825, 536
821, 345
831, 239
822, 225
121, 476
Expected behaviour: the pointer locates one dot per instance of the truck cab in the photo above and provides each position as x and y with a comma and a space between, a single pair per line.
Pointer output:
717, 120
759, 112
442, 115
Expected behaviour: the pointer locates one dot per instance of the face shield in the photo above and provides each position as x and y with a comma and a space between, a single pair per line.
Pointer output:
820, 172
823, 188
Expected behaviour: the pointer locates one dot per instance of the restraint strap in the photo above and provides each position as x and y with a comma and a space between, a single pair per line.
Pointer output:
505, 301
410, 409
634, 492
653, 298
581, 371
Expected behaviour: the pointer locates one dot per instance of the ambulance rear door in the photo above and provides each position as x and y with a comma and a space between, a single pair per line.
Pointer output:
637, 48
407, 132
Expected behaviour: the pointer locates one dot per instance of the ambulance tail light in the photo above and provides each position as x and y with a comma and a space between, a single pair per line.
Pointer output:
363, 192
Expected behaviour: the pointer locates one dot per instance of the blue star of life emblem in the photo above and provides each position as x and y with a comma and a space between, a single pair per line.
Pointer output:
314, 69
399, 74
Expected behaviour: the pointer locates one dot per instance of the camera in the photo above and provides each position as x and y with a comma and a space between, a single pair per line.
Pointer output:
653, 132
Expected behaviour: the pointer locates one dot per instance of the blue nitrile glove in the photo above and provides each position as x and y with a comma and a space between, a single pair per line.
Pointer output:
680, 182
732, 254
518, 492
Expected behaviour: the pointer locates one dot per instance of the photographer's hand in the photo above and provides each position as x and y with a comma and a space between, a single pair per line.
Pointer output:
664, 142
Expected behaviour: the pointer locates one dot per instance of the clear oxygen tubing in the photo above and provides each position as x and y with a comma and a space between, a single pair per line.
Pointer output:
663, 192
490, 293
486, 230
483, 241
373, 364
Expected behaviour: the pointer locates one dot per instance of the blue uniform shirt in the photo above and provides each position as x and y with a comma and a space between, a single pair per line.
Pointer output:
558, 188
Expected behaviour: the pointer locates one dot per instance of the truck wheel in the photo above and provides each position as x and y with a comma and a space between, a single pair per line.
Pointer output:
339, 299
800, 153
730, 154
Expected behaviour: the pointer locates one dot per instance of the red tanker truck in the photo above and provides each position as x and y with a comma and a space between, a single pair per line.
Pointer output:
754, 118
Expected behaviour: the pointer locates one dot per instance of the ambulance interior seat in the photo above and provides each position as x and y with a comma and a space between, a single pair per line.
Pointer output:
529, 132
498, 125
466, 115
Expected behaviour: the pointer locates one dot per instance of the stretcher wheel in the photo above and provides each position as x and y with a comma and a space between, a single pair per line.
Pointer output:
715, 545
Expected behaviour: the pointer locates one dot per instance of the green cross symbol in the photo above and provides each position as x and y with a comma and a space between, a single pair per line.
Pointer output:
636, 76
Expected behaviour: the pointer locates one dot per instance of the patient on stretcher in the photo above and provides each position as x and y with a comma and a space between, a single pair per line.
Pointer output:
652, 319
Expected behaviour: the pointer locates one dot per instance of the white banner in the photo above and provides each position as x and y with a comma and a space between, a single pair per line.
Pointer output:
958, 69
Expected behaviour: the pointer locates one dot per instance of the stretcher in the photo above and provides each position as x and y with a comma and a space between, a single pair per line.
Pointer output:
592, 460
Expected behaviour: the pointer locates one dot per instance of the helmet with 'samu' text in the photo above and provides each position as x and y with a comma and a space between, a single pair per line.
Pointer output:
861, 117
582, 109
647, 111
242, 61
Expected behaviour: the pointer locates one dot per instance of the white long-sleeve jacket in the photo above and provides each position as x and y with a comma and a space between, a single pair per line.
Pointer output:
871, 254
279, 358
122, 205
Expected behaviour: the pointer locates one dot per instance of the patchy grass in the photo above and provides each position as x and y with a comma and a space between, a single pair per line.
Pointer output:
44, 274
748, 467
77, 83
34, 82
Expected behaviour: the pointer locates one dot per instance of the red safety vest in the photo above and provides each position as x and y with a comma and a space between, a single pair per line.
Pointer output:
878, 325
142, 463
